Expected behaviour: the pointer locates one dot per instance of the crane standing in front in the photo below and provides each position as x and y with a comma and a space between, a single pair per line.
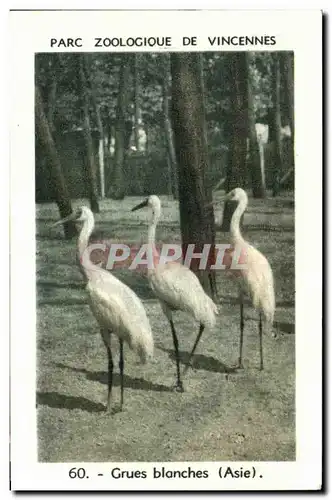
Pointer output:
256, 278
178, 289
115, 306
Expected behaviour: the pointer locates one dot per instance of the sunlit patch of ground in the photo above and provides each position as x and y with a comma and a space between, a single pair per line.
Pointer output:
222, 415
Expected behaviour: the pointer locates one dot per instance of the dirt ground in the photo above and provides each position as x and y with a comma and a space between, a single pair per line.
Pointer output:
222, 415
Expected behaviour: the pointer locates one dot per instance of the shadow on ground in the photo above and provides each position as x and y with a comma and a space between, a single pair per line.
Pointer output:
130, 382
56, 400
285, 327
200, 361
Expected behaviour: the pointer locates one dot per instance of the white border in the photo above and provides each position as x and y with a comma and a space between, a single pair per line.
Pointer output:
171, 4
4, 258
296, 30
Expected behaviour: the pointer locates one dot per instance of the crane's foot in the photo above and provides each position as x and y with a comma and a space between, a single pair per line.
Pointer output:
109, 410
179, 387
186, 368
261, 367
234, 369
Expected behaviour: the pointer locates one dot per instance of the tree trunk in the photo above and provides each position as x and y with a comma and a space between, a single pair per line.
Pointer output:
127, 135
202, 95
255, 165
169, 177
107, 153
197, 222
101, 157
288, 67
109, 133
102, 152
147, 143
59, 184
236, 165
277, 163
51, 103
117, 190
212, 289
91, 161
51, 91
171, 155
137, 101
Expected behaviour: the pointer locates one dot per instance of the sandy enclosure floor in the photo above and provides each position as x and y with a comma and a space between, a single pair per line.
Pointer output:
222, 415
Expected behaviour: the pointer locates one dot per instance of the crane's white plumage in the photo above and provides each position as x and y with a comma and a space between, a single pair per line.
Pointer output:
116, 307
256, 279
177, 288
257, 282
180, 289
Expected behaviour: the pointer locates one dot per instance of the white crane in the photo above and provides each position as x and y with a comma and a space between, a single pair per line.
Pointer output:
115, 306
256, 279
178, 289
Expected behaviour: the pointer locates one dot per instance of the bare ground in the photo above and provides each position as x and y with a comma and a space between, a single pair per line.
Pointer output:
222, 415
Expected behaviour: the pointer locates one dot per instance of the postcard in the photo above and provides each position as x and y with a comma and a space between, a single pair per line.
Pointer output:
165, 322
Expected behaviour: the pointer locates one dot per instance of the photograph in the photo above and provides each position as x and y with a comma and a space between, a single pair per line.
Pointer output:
165, 253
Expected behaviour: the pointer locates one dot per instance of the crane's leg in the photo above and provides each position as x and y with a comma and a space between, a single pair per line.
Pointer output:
201, 329
106, 336
179, 385
261, 341
110, 377
121, 365
240, 365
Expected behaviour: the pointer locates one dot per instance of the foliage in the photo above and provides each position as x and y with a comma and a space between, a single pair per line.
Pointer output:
260, 73
104, 83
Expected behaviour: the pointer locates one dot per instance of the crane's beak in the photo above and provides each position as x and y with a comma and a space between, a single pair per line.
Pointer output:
140, 205
213, 203
72, 216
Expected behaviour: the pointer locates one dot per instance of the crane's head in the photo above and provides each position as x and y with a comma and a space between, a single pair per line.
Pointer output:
236, 194
153, 202
79, 215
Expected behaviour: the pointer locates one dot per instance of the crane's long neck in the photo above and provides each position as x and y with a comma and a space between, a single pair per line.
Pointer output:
152, 240
235, 231
152, 231
83, 241
152, 227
